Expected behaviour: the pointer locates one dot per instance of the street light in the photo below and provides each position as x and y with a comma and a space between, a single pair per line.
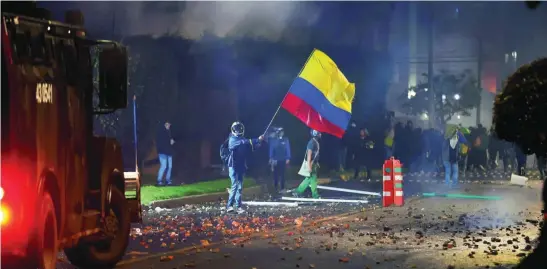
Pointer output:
444, 97
426, 89
456, 96
411, 94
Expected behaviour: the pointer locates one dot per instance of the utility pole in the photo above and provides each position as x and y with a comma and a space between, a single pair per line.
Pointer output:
479, 77
432, 97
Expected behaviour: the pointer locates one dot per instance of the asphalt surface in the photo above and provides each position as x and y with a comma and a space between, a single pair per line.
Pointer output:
203, 236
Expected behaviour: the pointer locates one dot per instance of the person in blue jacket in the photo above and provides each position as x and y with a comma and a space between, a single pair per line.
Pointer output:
280, 157
239, 148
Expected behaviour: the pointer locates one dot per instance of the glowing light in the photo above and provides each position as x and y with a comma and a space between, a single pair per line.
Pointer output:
444, 97
424, 116
411, 94
426, 89
1, 193
4, 215
457, 96
459, 117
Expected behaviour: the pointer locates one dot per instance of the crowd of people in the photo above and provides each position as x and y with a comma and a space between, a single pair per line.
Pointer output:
452, 150
422, 151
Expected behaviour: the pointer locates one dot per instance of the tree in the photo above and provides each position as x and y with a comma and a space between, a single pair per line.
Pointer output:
520, 116
454, 94
520, 110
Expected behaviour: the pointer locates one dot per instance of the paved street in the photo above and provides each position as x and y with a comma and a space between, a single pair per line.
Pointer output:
188, 237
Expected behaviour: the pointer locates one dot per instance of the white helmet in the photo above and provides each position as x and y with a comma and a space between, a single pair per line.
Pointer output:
314, 133
238, 129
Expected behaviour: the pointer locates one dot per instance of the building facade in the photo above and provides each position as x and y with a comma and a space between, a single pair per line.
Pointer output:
478, 37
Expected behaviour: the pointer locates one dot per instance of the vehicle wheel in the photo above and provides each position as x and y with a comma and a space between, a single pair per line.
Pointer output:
105, 254
44, 246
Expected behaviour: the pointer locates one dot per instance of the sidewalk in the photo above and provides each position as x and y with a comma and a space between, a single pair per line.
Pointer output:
262, 188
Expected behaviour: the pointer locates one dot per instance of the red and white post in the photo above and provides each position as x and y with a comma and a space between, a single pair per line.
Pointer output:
387, 195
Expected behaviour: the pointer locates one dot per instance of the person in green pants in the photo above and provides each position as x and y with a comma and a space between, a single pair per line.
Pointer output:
312, 157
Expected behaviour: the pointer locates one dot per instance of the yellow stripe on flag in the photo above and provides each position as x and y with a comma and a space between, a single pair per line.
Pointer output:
323, 74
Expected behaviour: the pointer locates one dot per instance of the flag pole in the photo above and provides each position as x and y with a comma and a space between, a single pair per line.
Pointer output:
278, 107
135, 132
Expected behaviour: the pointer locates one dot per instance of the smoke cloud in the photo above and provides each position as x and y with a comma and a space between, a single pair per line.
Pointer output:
192, 20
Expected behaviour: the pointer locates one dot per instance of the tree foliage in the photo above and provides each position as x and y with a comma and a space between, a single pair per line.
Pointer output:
520, 110
464, 85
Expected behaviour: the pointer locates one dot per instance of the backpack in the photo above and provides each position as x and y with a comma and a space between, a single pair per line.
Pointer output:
224, 152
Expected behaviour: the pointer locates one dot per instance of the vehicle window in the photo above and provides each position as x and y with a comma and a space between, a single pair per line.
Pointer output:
50, 48
21, 46
38, 49
31, 46
59, 57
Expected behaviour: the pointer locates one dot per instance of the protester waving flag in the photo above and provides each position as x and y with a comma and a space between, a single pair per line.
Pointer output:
321, 96
450, 129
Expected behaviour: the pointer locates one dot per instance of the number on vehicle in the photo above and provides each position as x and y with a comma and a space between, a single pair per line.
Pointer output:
44, 93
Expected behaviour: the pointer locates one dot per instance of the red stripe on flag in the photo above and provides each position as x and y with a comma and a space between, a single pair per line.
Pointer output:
309, 116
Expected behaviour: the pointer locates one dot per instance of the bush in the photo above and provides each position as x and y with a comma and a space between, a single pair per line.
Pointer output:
520, 111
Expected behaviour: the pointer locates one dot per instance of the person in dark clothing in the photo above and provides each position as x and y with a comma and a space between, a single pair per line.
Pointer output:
472, 158
164, 146
364, 153
494, 150
483, 147
521, 161
345, 143
431, 150
416, 150
542, 166
508, 156
352, 140
239, 148
406, 147
280, 156
436, 149
398, 141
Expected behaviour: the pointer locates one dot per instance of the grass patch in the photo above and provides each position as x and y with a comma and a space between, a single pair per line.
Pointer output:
152, 193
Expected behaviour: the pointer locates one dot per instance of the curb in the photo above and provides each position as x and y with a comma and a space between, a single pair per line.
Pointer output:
203, 198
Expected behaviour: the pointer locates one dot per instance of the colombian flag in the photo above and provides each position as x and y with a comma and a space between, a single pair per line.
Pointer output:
321, 96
